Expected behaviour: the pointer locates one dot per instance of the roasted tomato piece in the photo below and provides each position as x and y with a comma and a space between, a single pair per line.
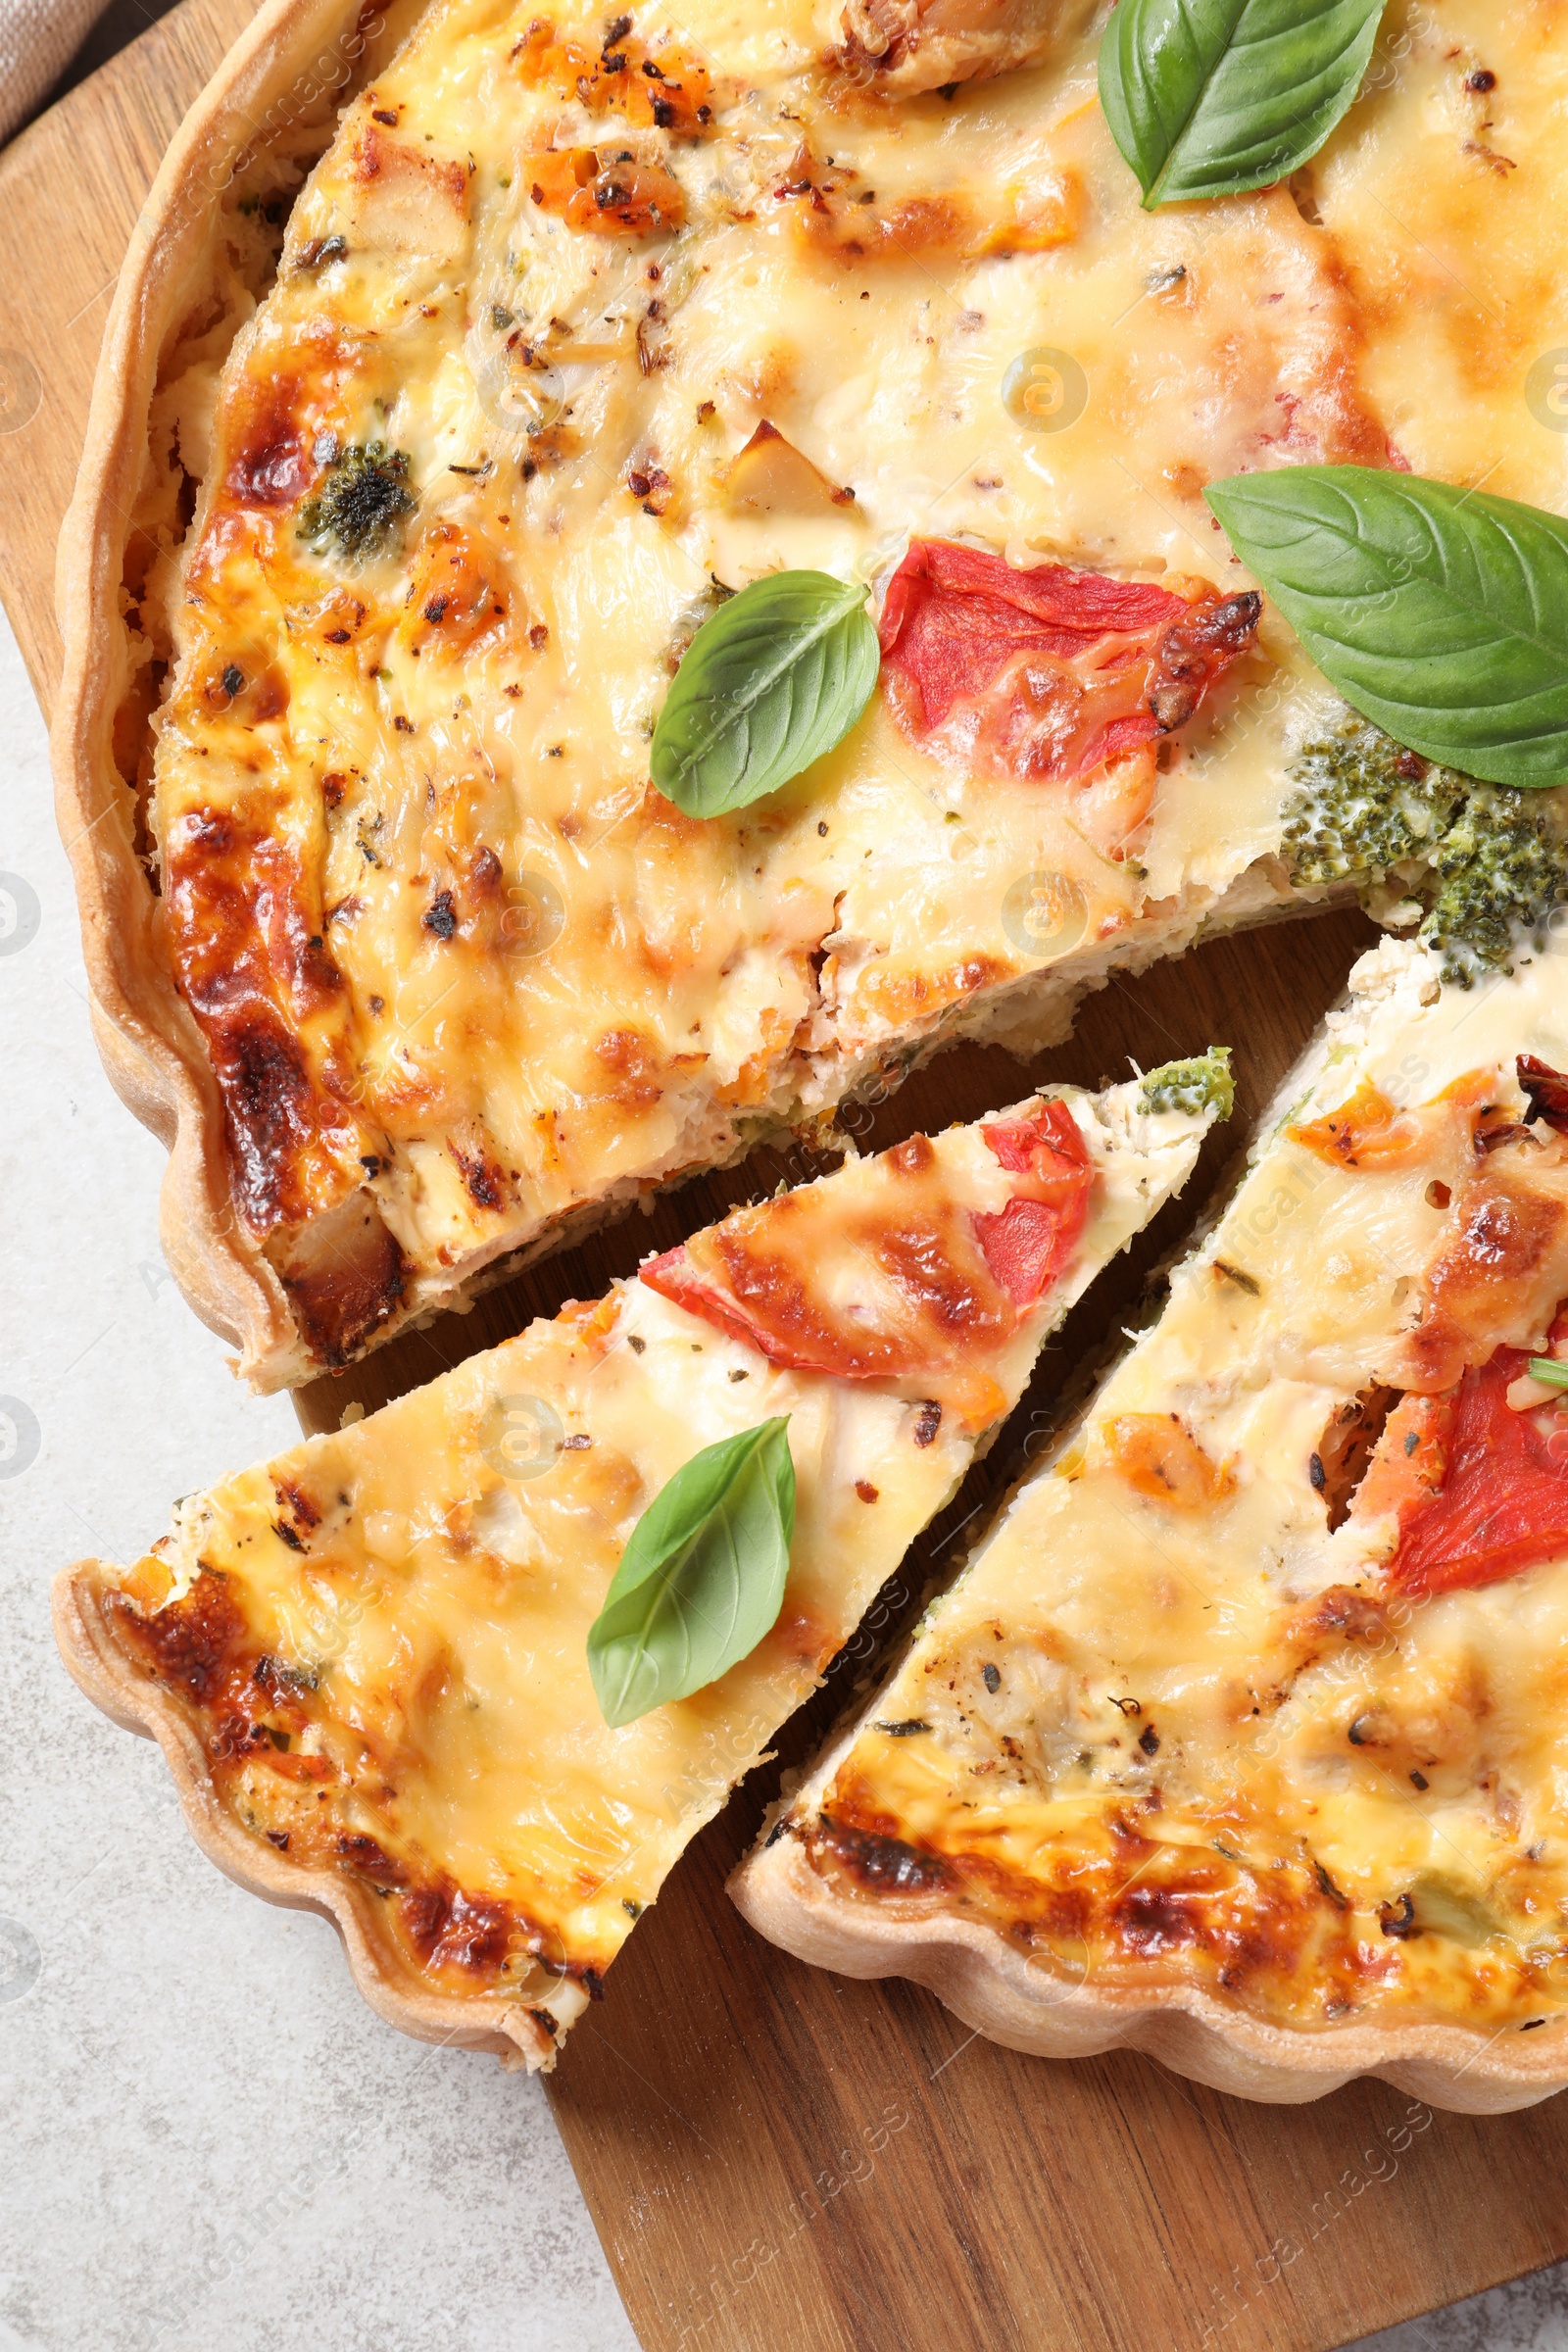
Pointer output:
874, 1301
1159, 1457
1370, 1132
1048, 673
1409, 1461
910, 1281
610, 194
1027, 1243
1503, 1505
664, 87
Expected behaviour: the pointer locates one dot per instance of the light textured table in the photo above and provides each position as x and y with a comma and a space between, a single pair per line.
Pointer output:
207, 2139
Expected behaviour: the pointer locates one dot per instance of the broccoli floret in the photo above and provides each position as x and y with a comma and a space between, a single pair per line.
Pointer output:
1364, 803
1500, 868
1489, 863
1204, 1083
359, 508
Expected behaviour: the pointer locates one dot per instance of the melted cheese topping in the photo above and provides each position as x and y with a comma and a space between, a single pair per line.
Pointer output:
1179, 1721
380, 1637
460, 971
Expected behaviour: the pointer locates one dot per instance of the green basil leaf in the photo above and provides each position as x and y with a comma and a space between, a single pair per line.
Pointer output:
702, 1579
1440, 614
774, 679
1211, 97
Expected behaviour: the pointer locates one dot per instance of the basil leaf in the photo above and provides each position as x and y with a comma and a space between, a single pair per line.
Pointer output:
774, 679
702, 1579
1211, 97
1440, 614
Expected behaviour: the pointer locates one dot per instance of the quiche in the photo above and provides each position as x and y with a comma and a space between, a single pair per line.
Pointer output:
367, 1659
1240, 1738
411, 480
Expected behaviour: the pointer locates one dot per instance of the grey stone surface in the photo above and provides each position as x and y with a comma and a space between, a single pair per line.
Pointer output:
1530, 2316
208, 2139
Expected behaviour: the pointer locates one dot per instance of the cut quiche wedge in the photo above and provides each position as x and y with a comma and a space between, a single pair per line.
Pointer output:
409, 486
1241, 1739
366, 1659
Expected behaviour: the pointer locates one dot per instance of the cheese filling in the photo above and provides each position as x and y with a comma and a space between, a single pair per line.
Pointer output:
380, 1637
1260, 1687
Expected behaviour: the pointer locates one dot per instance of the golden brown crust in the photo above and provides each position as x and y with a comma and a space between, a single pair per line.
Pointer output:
150, 1043
124, 1694
1028, 2006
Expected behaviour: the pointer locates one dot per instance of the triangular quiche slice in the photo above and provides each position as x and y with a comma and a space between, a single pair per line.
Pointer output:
1239, 1740
366, 1659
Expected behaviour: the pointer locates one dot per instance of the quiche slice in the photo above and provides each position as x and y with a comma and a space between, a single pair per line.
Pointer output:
1241, 1739
410, 486
366, 1659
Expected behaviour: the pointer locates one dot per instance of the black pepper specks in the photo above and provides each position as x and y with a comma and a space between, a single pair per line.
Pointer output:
1327, 1886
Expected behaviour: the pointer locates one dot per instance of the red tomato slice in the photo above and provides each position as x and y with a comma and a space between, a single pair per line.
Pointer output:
1026, 1246
1047, 1145
929, 1302
1028, 1242
942, 1289
1504, 1506
674, 1277
1095, 666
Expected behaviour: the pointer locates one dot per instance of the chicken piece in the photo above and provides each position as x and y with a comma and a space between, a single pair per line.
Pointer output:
906, 46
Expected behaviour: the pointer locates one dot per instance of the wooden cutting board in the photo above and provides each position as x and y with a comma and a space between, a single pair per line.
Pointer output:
779, 2160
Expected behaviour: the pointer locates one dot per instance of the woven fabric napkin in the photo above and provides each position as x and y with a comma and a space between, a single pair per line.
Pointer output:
39, 38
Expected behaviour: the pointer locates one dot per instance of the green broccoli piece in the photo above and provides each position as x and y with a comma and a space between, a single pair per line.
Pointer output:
1204, 1083
1364, 803
360, 505
1500, 869
1489, 863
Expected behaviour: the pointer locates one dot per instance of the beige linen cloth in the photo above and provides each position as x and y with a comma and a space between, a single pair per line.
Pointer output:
39, 38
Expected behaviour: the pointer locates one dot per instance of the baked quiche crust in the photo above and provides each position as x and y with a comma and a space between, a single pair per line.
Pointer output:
178, 302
